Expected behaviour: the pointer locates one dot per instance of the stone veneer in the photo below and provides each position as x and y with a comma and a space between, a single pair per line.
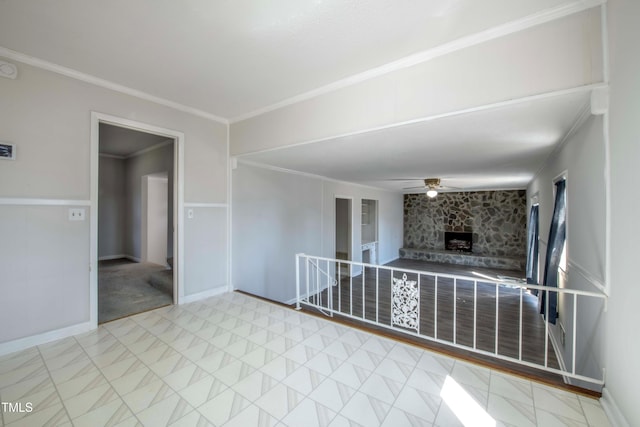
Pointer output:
496, 219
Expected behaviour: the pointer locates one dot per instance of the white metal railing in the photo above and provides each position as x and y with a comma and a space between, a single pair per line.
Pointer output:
432, 306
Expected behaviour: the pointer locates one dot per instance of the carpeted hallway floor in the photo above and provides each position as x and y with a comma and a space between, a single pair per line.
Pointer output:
124, 289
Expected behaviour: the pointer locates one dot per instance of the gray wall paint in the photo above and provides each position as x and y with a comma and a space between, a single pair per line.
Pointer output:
48, 117
277, 214
623, 316
582, 157
44, 259
112, 207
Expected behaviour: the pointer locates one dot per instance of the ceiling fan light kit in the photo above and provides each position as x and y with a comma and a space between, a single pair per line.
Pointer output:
432, 193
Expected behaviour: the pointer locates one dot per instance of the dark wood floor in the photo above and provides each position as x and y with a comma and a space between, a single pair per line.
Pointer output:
350, 301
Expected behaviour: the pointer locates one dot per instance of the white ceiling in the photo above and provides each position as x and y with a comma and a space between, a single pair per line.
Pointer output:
232, 58
229, 58
494, 148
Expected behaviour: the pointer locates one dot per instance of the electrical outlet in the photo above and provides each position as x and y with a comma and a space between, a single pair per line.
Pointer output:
190, 213
76, 214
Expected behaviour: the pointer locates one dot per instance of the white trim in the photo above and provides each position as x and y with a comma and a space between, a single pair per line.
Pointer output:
612, 410
205, 205
585, 273
45, 337
512, 27
309, 175
88, 78
8, 201
484, 107
204, 294
178, 218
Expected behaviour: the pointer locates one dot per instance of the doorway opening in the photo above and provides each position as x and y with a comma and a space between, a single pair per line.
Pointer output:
343, 240
136, 195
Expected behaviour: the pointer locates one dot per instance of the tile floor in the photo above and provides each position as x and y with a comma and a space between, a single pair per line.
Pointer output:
234, 360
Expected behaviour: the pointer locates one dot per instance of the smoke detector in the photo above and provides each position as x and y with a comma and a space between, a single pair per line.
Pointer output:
8, 70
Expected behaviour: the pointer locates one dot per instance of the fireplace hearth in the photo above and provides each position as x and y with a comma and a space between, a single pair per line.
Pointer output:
458, 241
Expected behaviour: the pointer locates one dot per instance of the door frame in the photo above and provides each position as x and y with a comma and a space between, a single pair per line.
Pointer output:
178, 203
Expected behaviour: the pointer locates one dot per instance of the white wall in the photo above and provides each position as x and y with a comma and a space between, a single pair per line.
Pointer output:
45, 257
278, 214
583, 159
623, 316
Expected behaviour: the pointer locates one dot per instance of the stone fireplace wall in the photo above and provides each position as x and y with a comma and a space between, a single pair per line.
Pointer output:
497, 219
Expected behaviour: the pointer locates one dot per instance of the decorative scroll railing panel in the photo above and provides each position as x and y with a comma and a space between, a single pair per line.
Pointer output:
500, 319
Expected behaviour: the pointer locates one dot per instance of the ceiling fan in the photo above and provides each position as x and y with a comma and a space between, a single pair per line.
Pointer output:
432, 185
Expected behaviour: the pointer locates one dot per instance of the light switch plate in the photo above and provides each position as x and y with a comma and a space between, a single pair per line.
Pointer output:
76, 214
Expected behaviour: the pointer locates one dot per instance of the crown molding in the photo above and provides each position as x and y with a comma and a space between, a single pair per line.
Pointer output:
512, 27
97, 81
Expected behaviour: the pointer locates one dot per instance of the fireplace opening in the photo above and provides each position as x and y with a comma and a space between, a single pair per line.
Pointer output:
457, 241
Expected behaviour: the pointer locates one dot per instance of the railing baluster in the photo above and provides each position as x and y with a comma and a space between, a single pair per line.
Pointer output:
520, 333
350, 289
329, 290
318, 292
419, 302
363, 298
308, 272
575, 319
377, 299
339, 286
297, 281
497, 299
546, 329
475, 312
455, 310
435, 310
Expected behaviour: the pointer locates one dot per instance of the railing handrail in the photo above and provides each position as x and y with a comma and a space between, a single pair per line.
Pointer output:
460, 277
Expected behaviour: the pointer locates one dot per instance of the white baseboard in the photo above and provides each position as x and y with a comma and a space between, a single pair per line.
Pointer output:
24, 343
110, 257
616, 418
205, 294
